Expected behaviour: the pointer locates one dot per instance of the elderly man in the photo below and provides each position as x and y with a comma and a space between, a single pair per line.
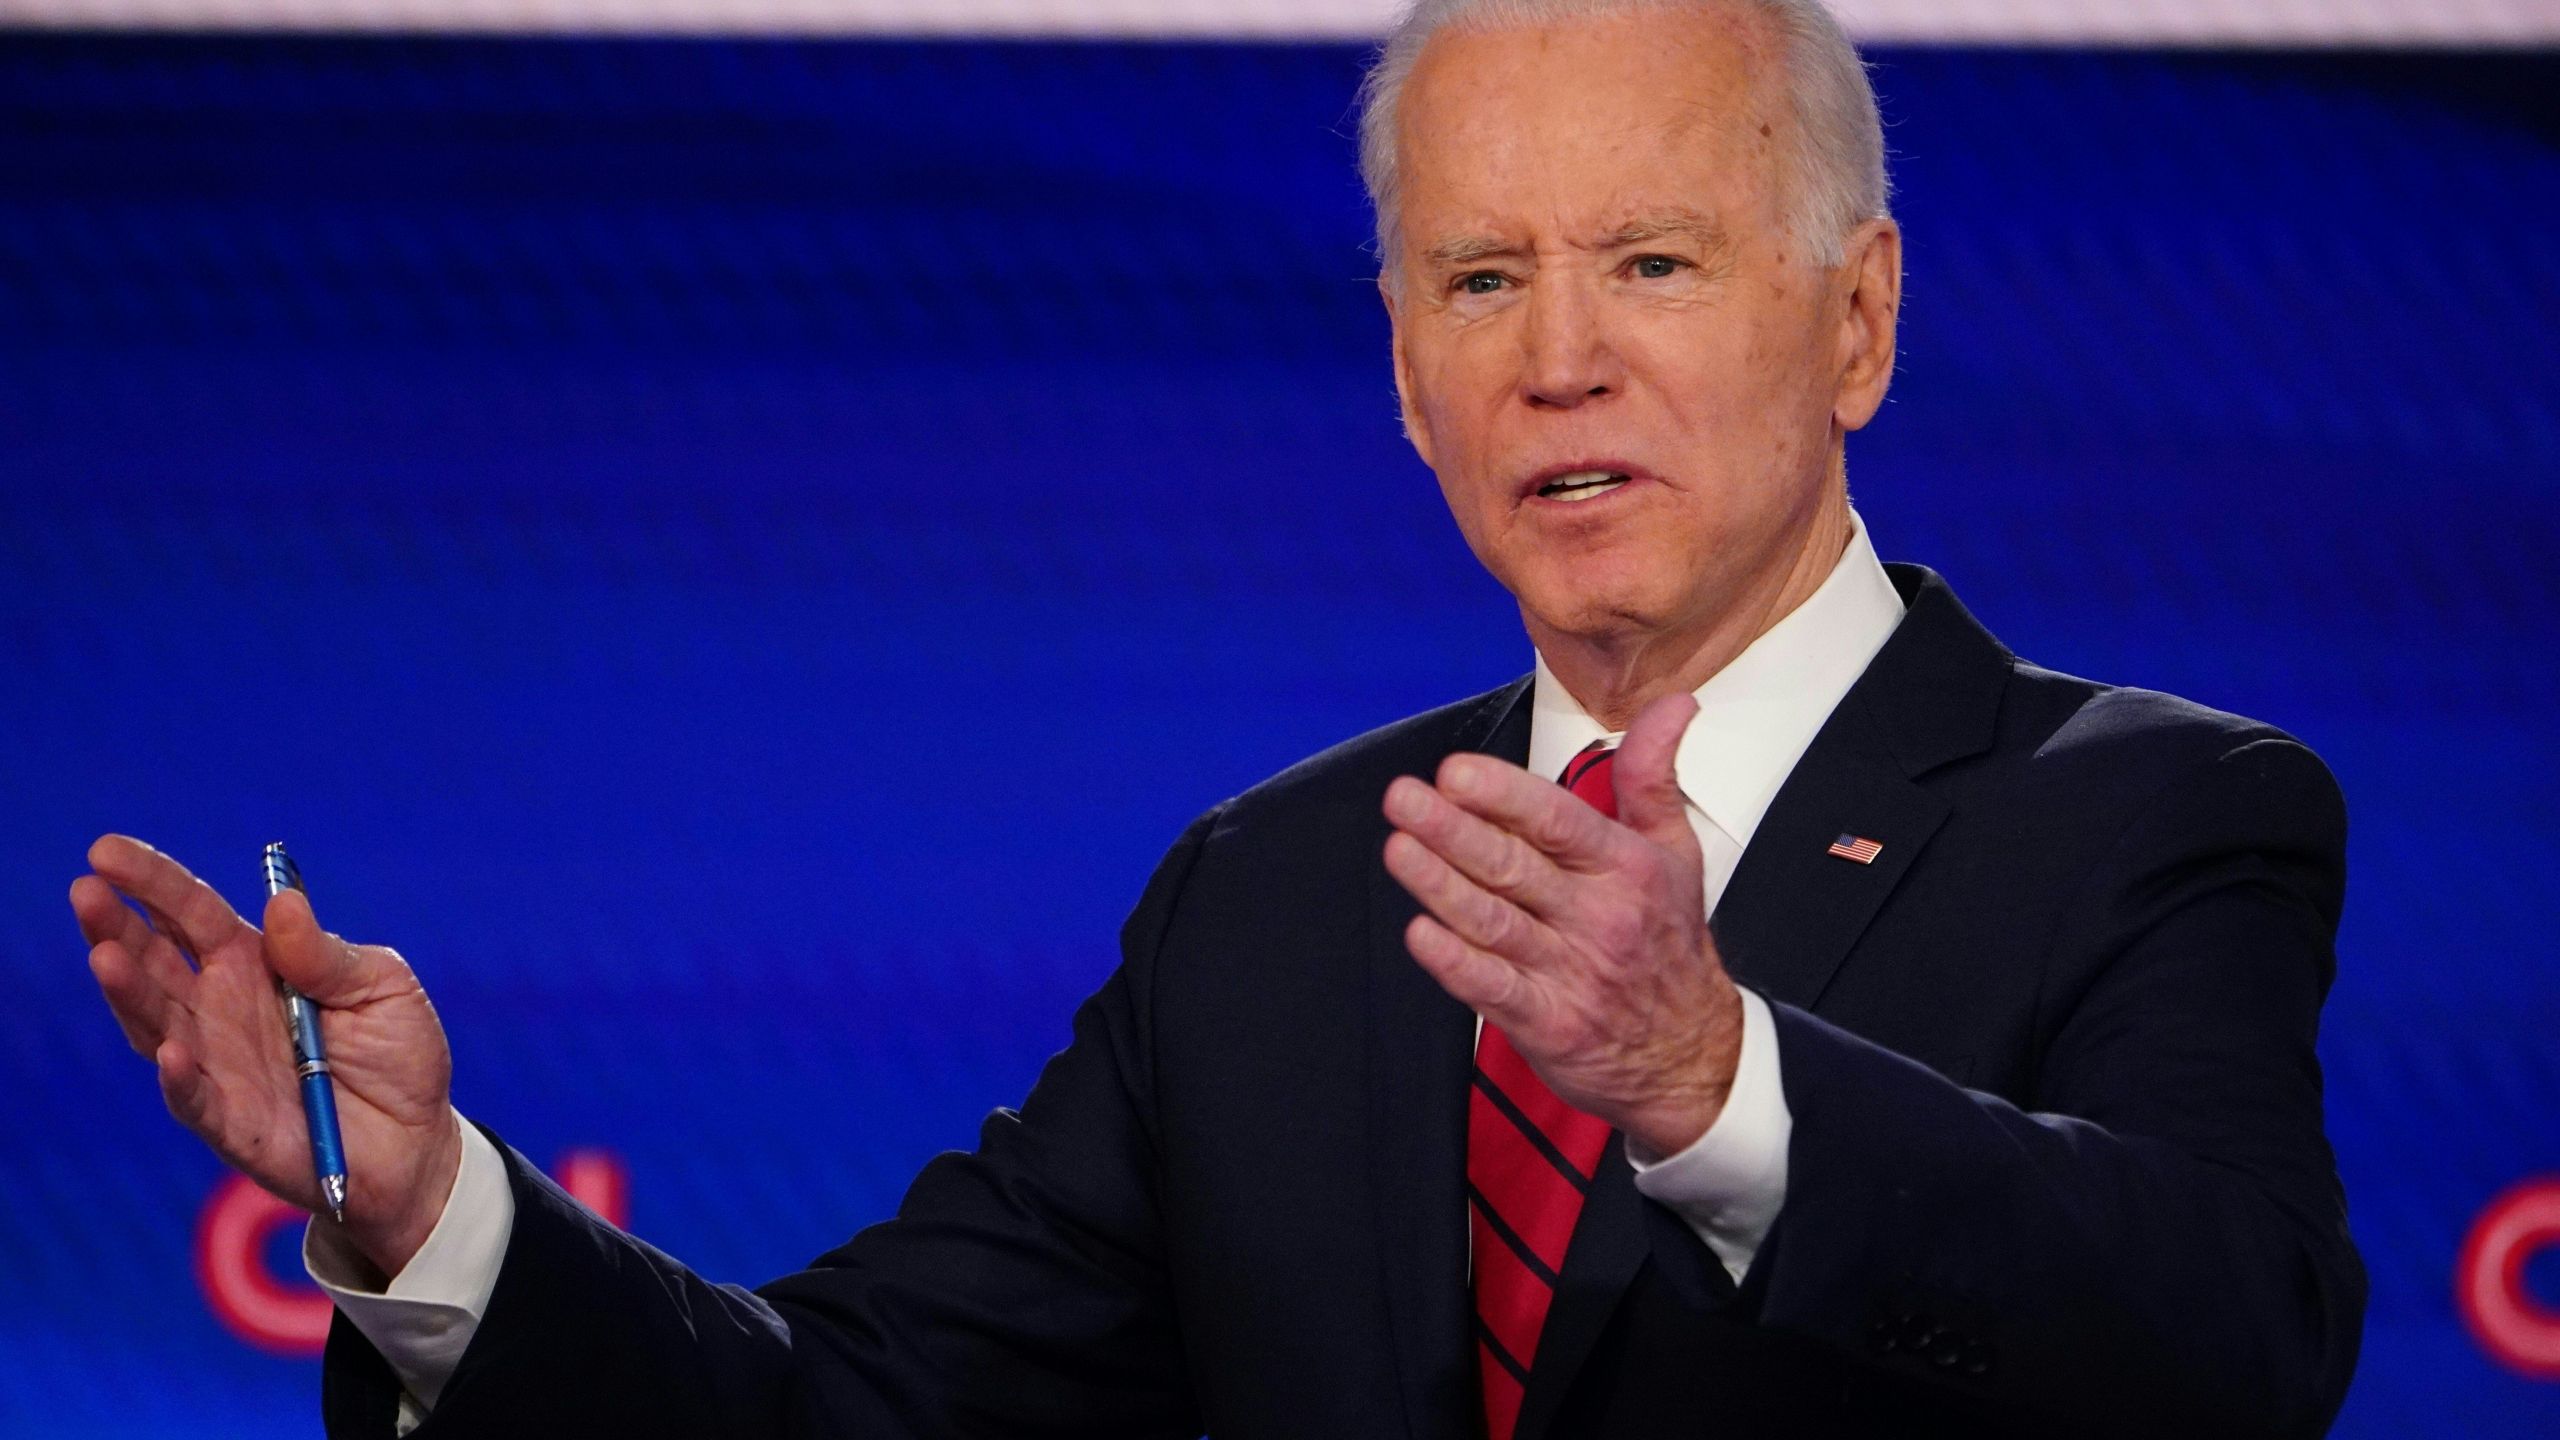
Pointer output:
1425, 1101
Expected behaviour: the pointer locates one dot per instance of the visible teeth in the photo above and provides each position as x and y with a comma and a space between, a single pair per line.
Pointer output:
1582, 484
1585, 492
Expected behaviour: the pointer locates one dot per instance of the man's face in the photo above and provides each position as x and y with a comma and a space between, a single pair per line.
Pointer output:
1596, 276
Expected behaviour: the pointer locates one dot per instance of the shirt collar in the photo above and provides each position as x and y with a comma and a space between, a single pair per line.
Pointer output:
1758, 713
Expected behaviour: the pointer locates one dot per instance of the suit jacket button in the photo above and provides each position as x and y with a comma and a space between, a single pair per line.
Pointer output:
1976, 1358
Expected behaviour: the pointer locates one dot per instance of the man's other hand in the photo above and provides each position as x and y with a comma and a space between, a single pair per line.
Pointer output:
1584, 938
194, 986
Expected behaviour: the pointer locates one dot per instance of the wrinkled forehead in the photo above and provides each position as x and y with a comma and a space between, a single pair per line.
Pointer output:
1590, 123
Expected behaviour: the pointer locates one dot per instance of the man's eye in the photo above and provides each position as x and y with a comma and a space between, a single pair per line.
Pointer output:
1481, 282
1655, 267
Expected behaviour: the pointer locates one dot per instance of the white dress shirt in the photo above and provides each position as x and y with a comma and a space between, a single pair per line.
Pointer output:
1755, 718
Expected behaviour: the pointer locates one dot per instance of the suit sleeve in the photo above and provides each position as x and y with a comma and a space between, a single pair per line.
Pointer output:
1019, 1290
2161, 1226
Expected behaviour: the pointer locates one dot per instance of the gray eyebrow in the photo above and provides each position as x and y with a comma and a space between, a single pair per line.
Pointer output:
1656, 225
1466, 249
1687, 223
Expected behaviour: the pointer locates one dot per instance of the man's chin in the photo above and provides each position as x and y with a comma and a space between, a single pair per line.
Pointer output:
1601, 618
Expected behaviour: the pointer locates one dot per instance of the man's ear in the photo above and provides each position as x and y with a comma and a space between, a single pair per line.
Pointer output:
1416, 430
1872, 269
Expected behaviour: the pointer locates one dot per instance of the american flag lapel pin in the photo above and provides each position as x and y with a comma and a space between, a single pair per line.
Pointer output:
1856, 847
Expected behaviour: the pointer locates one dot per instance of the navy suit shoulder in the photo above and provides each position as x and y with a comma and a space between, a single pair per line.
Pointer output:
2095, 776
2138, 747
1355, 772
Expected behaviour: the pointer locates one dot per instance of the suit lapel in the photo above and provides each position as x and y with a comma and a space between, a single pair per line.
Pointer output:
1931, 696
1793, 911
1420, 1051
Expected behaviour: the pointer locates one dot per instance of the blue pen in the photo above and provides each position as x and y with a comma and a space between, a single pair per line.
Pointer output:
310, 1059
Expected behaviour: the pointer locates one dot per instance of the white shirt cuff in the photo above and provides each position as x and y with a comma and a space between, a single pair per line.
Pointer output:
424, 1319
1730, 1184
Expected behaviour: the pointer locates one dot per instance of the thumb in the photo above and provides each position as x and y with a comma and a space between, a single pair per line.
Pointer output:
1649, 799
320, 965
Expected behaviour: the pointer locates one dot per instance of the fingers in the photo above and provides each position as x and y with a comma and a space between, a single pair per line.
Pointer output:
1480, 918
1493, 858
1545, 815
1483, 982
1646, 776
183, 1085
140, 1007
322, 966
187, 909
105, 919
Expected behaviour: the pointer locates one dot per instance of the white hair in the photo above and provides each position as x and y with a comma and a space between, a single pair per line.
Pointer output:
1835, 179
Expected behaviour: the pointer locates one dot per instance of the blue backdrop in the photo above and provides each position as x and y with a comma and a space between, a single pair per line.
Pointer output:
737, 556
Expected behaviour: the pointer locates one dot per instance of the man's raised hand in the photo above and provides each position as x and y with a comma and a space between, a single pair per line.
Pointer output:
1584, 938
194, 987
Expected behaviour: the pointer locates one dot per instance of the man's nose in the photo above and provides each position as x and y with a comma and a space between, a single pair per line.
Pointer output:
1567, 357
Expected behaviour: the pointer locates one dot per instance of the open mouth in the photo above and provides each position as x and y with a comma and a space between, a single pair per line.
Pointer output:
1583, 484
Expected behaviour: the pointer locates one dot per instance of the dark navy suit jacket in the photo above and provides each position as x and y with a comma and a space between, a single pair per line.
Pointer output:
2057, 1168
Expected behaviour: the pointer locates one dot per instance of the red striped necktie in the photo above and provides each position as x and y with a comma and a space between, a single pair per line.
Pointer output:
1530, 1159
